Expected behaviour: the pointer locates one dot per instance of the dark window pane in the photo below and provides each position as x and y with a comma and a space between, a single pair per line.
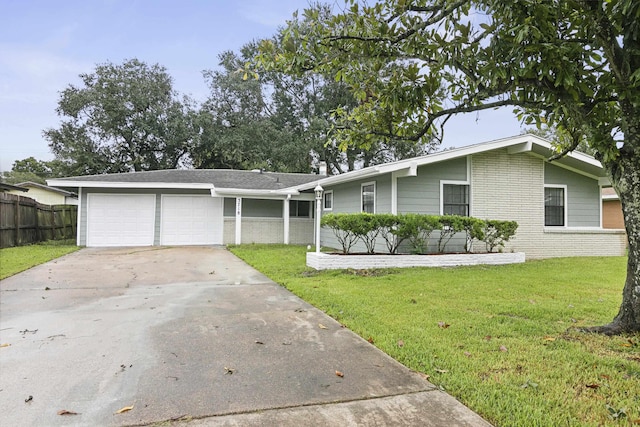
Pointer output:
554, 206
368, 198
303, 208
455, 199
328, 200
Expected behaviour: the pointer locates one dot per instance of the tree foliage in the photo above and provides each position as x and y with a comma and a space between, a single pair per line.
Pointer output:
33, 170
569, 64
283, 122
123, 118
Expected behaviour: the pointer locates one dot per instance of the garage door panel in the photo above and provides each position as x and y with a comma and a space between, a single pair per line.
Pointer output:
120, 219
191, 220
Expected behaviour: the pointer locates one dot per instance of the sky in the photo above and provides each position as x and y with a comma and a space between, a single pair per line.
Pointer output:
45, 45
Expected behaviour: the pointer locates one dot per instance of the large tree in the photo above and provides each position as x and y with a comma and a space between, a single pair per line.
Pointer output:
123, 117
574, 64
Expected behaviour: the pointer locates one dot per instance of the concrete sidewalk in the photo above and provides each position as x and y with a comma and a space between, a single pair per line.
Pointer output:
195, 336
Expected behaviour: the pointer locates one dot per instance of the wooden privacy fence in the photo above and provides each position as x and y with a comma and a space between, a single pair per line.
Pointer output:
24, 221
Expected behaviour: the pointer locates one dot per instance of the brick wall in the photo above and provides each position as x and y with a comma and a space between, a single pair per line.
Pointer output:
511, 187
269, 230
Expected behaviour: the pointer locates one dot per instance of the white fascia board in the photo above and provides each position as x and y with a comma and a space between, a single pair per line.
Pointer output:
610, 197
106, 184
413, 163
254, 194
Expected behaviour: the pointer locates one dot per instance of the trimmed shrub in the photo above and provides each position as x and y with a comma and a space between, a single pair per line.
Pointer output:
340, 225
497, 233
389, 230
417, 229
366, 226
474, 229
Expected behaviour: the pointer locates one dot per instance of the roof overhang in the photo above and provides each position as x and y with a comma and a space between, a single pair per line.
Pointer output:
144, 185
531, 144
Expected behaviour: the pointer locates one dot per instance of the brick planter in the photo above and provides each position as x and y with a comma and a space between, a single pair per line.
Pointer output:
324, 261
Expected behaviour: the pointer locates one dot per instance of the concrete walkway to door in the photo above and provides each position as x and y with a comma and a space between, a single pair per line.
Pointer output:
195, 336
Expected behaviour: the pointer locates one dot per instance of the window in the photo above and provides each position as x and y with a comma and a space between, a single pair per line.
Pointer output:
327, 203
455, 199
554, 212
369, 197
299, 208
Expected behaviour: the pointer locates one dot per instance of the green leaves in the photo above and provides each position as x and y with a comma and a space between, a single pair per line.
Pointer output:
122, 118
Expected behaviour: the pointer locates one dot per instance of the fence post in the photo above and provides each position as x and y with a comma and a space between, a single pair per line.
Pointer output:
16, 220
38, 231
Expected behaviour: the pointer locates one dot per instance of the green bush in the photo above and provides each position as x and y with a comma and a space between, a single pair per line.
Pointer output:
390, 231
340, 225
366, 227
497, 233
474, 229
416, 229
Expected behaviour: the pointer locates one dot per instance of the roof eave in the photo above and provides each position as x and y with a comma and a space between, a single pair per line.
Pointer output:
108, 184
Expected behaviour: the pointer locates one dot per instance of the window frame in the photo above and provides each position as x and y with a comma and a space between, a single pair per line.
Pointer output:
324, 200
366, 184
452, 182
565, 216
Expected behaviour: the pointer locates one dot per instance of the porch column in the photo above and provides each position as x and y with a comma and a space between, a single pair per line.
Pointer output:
238, 220
285, 215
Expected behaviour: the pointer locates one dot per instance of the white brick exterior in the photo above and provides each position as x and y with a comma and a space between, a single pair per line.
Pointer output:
511, 187
324, 261
269, 230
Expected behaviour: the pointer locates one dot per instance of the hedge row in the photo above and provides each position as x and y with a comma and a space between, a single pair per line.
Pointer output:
416, 230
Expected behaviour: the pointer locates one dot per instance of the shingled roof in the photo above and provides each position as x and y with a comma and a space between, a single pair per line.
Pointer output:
219, 178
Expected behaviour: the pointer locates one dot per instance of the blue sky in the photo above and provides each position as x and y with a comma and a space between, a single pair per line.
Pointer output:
45, 45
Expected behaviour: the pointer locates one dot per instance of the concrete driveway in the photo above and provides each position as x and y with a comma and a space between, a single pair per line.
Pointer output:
194, 336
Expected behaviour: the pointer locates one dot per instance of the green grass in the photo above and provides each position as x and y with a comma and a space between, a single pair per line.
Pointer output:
508, 352
20, 258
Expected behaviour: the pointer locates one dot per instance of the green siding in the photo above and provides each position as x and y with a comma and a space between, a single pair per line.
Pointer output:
255, 208
583, 195
421, 194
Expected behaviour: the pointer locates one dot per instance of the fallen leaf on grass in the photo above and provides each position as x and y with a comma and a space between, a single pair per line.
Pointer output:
487, 338
549, 339
370, 340
605, 376
400, 343
443, 325
593, 386
466, 353
66, 412
441, 371
321, 326
503, 348
125, 409
340, 374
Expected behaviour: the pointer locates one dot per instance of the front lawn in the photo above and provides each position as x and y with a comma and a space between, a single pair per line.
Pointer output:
20, 258
497, 338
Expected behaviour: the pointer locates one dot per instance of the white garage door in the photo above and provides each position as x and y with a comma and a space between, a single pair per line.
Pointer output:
191, 220
120, 219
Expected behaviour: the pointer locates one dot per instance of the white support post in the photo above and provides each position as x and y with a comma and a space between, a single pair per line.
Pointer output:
238, 220
318, 190
286, 219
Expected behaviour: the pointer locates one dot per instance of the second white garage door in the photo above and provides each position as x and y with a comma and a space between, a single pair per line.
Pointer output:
191, 220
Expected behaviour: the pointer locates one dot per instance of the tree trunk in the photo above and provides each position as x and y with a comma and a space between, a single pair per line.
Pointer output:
625, 175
